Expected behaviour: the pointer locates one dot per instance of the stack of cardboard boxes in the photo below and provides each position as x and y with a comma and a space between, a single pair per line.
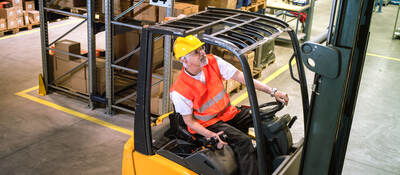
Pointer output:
231, 85
179, 8
9, 17
77, 80
15, 16
125, 43
71, 3
147, 12
30, 14
157, 90
229, 4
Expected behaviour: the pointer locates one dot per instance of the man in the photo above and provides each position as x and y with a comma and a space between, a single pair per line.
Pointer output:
198, 95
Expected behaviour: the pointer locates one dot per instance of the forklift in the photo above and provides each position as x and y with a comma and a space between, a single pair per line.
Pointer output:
162, 145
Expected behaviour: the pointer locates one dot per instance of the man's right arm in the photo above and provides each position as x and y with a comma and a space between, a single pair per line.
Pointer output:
195, 126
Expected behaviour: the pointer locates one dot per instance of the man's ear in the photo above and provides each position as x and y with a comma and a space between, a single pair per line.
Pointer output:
184, 60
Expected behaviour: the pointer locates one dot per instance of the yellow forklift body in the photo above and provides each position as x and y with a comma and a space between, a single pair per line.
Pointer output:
135, 163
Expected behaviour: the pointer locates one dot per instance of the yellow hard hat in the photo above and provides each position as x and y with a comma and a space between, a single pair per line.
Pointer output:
185, 45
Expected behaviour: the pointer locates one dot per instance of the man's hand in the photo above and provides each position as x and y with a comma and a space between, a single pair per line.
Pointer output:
194, 125
221, 143
281, 97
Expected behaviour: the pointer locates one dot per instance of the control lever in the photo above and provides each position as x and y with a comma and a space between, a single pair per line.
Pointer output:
294, 118
212, 142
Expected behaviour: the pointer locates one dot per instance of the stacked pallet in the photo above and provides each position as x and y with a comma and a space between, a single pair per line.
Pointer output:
254, 6
17, 15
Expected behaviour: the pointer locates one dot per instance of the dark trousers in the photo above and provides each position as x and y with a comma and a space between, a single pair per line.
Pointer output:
236, 130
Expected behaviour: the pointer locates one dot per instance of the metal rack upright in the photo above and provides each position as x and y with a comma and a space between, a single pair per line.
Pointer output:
111, 22
49, 82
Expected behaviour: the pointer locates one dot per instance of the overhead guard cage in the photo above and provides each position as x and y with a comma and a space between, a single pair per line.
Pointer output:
241, 32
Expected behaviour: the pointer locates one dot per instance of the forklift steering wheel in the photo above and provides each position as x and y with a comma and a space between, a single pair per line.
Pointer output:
266, 112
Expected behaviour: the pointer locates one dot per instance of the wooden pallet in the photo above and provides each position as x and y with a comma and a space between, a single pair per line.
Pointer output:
257, 72
78, 10
16, 30
255, 7
9, 32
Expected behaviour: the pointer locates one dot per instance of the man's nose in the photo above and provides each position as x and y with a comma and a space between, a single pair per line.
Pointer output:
202, 51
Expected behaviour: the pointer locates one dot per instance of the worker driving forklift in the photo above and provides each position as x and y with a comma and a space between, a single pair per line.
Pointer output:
206, 134
198, 95
192, 139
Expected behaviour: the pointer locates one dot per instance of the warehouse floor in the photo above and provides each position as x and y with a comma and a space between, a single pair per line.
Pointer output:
56, 134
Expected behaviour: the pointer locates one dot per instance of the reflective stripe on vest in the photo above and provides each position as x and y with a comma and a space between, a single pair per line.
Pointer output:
209, 117
212, 101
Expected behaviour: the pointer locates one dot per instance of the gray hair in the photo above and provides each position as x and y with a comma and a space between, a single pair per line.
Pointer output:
183, 58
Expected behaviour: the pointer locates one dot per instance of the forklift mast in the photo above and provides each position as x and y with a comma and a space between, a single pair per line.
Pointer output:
338, 67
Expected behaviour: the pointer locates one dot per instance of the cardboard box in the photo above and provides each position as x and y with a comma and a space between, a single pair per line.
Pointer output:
3, 24
179, 8
34, 17
158, 56
67, 46
231, 85
17, 3
229, 57
29, 5
146, 12
127, 42
8, 13
62, 66
156, 105
12, 23
26, 18
20, 22
158, 90
229, 4
19, 11
77, 81
100, 75
71, 3
119, 6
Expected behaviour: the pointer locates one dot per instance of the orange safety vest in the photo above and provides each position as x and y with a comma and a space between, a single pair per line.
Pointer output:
210, 101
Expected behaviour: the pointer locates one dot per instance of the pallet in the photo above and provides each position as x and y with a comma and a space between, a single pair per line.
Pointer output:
254, 7
9, 32
257, 72
78, 10
16, 30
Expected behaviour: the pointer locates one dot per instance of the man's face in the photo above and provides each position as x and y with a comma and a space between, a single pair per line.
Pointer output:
197, 59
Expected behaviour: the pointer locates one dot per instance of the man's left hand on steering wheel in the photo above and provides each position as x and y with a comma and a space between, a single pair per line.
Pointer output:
281, 97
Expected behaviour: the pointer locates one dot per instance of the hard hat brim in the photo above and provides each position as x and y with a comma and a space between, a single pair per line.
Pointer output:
193, 48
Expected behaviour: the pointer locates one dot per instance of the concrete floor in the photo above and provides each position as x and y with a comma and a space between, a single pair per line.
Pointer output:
38, 139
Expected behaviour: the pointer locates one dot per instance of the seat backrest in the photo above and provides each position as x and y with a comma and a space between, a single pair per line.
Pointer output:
178, 128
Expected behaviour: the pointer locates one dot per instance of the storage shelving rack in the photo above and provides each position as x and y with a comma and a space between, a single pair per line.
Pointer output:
111, 22
49, 82
112, 25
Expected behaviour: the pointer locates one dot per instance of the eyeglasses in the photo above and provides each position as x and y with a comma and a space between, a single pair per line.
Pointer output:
198, 50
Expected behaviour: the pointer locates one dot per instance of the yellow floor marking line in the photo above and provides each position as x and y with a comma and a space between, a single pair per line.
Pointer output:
265, 81
71, 112
386, 57
38, 29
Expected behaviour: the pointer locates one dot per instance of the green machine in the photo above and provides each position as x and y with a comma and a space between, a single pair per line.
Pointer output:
265, 54
338, 67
